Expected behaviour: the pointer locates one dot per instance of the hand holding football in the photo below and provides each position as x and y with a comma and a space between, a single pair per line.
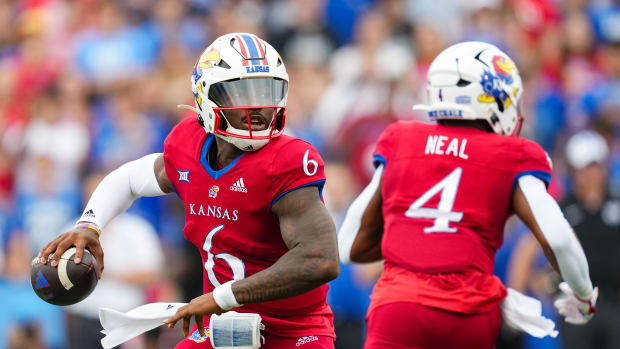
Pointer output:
68, 283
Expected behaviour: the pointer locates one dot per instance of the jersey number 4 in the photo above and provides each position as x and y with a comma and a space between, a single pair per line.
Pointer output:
443, 214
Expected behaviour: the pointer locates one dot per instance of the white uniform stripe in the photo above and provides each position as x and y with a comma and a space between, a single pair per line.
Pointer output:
241, 180
62, 269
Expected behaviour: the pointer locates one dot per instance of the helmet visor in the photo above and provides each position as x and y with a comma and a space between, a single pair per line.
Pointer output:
252, 92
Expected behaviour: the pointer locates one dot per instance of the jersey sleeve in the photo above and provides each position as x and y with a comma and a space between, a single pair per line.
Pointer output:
296, 165
168, 166
533, 160
182, 134
384, 146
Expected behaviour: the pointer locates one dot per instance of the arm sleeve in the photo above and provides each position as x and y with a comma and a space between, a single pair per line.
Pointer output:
353, 219
296, 165
120, 188
562, 240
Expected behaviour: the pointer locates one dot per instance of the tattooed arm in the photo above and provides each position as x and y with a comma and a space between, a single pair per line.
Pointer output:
312, 260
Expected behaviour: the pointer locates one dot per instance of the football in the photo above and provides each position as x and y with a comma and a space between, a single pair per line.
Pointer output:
66, 284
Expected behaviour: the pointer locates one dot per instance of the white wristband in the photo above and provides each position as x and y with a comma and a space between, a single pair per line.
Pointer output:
224, 296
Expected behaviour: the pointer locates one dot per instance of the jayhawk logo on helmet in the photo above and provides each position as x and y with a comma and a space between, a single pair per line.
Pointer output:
492, 90
208, 59
504, 67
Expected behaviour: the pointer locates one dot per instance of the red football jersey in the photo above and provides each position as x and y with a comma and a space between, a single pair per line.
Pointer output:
228, 217
446, 197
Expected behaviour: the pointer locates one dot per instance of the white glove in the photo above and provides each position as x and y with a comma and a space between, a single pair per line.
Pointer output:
575, 310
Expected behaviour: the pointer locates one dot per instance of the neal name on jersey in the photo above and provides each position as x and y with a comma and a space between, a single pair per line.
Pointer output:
455, 147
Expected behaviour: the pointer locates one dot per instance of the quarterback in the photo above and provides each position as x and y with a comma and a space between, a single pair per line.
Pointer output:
252, 198
436, 207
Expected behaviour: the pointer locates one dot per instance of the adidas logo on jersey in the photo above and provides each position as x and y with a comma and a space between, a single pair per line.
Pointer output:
239, 186
306, 339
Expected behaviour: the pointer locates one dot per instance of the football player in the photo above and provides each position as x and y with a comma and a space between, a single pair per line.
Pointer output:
436, 207
252, 200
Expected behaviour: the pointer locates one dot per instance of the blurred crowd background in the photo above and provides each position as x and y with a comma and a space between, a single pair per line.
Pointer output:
86, 85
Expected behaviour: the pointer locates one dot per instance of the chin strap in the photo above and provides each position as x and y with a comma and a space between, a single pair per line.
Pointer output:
195, 110
188, 107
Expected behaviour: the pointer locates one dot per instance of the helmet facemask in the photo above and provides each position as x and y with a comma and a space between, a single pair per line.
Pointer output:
249, 139
254, 97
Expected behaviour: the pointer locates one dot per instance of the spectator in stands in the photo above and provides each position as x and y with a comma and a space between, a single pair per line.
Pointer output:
594, 214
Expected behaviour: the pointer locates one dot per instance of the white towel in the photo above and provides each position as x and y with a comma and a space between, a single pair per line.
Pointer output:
525, 313
519, 311
121, 327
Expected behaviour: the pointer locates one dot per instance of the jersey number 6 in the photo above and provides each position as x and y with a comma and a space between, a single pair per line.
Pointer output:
306, 162
443, 214
236, 264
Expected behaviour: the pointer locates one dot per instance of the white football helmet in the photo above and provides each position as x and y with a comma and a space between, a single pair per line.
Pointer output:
239, 71
475, 80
